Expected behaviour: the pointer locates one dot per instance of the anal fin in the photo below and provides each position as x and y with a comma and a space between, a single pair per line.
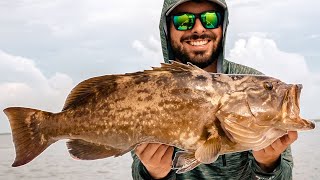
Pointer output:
80, 149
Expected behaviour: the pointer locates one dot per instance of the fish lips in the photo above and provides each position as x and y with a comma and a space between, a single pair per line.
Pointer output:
291, 119
299, 124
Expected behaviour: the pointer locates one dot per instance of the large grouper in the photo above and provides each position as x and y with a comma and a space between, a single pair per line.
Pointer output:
204, 114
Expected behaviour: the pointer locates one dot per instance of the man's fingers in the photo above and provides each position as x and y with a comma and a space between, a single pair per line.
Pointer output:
269, 149
293, 136
152, 148
289, 138
140, 148
167, 157
160, 152
148, 152
278, 146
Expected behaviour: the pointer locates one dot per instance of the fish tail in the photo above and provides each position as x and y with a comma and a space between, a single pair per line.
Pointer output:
28, 139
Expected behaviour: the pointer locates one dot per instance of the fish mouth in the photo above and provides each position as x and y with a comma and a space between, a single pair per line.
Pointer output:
291, 119
308, 124
300, 124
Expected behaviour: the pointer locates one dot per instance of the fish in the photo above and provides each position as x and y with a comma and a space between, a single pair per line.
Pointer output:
203, 114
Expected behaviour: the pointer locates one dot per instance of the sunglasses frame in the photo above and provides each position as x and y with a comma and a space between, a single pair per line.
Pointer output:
197, 16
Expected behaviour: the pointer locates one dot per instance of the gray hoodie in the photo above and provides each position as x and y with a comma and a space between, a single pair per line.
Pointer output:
239, 165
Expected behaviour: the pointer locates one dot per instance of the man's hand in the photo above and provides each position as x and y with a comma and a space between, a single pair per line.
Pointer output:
157, 158
268, 157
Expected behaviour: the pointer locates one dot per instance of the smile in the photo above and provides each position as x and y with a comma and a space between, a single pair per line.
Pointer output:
198, 43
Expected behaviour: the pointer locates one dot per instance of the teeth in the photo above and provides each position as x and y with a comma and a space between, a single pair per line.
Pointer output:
198, 43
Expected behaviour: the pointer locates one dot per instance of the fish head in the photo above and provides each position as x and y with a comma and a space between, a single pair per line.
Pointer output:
275, 103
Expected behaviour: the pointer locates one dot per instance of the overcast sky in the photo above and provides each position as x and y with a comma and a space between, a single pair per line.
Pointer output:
47, 47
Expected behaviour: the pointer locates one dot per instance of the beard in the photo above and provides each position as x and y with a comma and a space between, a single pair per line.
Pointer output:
199, 58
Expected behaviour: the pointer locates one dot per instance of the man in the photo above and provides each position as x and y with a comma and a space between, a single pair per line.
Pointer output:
195, 31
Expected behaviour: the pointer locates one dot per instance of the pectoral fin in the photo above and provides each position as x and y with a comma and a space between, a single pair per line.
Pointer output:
209, 151
184, 162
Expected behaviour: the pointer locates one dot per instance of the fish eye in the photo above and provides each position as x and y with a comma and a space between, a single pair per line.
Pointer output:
268, 86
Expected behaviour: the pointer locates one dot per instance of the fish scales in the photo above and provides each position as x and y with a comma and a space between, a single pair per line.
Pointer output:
137, 111
180, 105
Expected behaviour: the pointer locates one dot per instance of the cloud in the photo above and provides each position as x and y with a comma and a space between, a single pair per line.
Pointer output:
150, 50
263, 54
66, 19
294, 31
23, 84
84, 39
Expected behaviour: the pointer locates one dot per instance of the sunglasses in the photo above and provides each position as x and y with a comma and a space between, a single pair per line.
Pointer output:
186, 21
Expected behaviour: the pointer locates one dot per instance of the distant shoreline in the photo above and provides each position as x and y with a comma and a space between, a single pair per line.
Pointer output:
4, 134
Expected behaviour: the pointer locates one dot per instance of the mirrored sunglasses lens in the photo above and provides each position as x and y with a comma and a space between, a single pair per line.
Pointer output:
183, 22
210, 20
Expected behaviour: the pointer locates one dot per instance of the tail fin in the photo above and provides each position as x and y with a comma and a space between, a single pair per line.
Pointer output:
29, 142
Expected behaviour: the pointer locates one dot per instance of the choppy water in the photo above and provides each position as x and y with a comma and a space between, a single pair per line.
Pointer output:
56, 163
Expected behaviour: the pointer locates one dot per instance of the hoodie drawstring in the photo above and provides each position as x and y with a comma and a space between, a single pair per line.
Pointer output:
224, 161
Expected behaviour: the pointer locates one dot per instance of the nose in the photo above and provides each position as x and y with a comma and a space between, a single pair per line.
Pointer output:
198, 27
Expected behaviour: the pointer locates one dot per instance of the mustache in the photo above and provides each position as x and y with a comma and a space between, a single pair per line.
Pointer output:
197, 37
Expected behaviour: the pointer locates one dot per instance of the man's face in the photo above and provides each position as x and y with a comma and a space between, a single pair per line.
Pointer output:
199, 45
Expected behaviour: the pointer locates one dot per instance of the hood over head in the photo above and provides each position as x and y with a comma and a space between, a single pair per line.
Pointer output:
168, 6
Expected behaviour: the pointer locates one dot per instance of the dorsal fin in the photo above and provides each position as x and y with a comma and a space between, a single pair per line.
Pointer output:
177, 66
88, 88
108, 83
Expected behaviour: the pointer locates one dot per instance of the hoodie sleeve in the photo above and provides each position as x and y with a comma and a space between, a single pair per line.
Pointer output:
139, 172
283, 171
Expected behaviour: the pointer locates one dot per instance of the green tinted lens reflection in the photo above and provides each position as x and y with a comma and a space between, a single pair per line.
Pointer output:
183, 22
210, 20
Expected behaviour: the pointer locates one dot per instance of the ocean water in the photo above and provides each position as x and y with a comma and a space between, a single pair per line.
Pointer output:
56, 163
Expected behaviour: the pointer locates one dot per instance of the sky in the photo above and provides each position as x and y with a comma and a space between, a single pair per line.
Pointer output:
47, 47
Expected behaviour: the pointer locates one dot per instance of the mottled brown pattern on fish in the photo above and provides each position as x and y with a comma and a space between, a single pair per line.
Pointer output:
146, 118
180, 105
141, 79
201, 78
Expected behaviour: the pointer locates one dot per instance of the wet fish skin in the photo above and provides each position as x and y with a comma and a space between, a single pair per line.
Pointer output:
180, 105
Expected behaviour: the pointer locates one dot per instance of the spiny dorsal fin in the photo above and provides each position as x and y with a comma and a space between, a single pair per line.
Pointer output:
88, 88
177, 66
107, 83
